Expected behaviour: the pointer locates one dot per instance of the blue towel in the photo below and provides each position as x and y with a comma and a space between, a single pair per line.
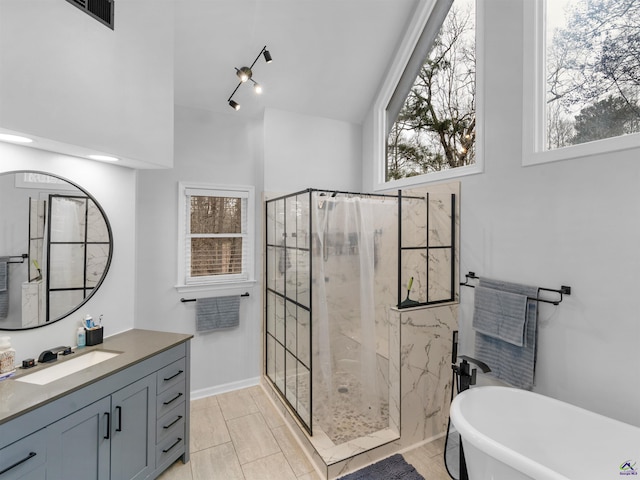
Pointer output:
4, 287
216, 313
508, 362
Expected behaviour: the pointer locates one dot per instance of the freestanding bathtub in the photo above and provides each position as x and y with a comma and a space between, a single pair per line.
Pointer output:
512, 434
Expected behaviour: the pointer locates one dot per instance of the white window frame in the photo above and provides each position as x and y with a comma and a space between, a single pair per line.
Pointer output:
396, 70
247, 278
534, 99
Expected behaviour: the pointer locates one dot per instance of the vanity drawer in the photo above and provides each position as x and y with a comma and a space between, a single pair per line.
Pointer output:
171, 375
170, 399
169, 449
23, 456
171, 424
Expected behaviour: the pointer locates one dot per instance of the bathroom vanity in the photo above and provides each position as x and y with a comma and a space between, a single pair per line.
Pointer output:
126, 417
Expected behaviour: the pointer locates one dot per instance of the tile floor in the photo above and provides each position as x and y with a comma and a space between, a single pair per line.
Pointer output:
240, 436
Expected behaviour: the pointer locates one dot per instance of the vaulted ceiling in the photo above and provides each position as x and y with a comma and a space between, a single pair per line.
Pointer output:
78, 87
329, 56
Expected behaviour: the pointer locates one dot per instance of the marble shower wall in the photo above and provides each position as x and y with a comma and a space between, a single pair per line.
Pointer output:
425, 366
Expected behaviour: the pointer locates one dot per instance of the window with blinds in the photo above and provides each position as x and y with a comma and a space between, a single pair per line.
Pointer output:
217, 241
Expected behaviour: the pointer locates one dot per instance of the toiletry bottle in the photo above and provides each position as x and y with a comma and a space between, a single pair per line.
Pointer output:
88, 321
81, 339
7, 355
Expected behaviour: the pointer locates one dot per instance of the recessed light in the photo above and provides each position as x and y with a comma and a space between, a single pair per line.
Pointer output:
103, 158
6, 137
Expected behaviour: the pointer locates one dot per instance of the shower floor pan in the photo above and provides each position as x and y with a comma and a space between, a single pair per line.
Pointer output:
346, 422
351, 434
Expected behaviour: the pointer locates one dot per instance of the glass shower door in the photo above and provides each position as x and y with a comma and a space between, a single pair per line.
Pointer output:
288, 273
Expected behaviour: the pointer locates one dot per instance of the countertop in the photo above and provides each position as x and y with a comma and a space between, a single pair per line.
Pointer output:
134, 346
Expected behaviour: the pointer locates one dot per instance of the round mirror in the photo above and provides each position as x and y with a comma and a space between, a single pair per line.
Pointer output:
55, 248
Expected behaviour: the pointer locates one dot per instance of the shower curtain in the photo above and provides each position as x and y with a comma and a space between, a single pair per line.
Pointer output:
344, 267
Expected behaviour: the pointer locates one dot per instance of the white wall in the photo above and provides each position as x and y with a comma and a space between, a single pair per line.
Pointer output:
66, 77
284, 152
210, 148
575, 222
114, 189
302, 151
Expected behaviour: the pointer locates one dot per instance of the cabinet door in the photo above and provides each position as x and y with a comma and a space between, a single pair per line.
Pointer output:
133, 430
78, 446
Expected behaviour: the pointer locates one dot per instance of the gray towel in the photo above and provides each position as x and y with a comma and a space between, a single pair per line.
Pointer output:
217, 312
510, 363
4, 287
500, 314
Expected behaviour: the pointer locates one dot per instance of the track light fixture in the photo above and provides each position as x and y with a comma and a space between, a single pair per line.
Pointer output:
245, 74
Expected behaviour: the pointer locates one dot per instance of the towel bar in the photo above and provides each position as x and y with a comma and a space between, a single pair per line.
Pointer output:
185, 300
21, 257
564, 290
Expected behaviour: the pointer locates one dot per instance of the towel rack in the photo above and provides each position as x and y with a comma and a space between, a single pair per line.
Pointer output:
185, 300
564, 290
20, 257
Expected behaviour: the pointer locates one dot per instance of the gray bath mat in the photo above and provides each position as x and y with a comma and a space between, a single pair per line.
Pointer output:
392, 468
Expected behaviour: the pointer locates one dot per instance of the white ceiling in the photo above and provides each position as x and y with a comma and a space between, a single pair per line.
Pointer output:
329, 56
329, 59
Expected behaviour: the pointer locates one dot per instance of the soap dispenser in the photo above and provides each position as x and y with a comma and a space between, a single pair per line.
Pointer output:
7, 355
81, 337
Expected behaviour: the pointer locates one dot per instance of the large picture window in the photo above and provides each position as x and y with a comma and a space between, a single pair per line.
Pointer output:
427, 117
593, 70
583, 76
216, 234
435, 128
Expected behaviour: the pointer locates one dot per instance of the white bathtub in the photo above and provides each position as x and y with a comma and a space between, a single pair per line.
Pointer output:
514, 434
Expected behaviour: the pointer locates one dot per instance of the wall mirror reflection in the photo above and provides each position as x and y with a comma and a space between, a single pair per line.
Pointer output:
55, 248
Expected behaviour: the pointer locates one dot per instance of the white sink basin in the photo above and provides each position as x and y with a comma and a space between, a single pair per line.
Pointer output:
56, 372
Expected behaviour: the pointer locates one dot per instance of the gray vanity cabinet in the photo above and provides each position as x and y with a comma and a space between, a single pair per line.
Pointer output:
78, 445
128, 425
112, 438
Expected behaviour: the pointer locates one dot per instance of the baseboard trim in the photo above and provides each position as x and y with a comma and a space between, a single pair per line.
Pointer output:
227, 387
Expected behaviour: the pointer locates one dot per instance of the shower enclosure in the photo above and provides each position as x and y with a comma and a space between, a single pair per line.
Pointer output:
336, 263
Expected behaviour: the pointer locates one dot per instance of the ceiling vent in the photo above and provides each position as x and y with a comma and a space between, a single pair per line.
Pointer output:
101, 10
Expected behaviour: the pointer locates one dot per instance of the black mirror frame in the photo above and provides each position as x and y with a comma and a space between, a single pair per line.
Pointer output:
109, 258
